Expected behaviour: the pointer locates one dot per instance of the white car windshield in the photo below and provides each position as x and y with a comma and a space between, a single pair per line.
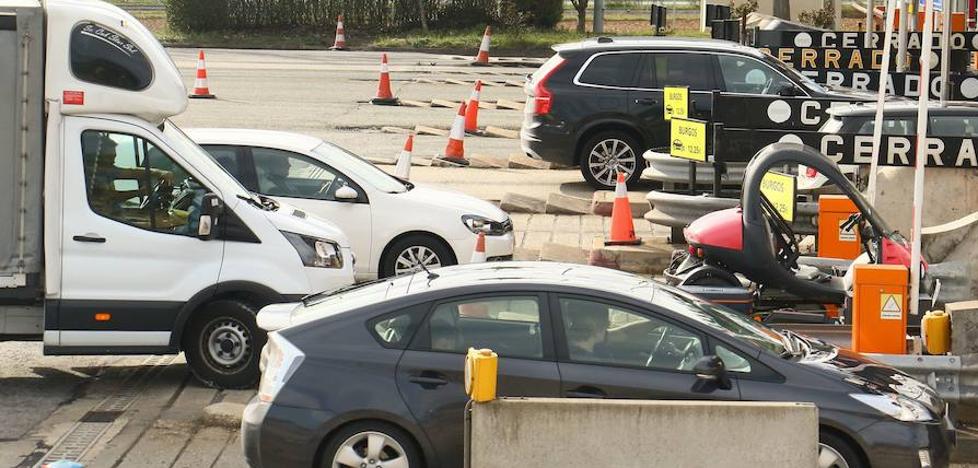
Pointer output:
361, 169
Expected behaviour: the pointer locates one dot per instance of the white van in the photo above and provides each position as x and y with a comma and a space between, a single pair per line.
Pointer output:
118, 234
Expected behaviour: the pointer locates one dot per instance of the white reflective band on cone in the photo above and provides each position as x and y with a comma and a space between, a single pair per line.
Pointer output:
484, 46
403, 168
458, 128
621, 191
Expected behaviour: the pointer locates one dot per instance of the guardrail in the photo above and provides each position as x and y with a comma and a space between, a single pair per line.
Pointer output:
954, 377
677, 210
663, 168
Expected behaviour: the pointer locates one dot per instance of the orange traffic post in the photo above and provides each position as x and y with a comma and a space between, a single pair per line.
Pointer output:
833, 240
622, 226
879, 309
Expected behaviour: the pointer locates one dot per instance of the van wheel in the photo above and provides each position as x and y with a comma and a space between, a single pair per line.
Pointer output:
407, 254
607, 152
836, 452
222, 344
370, 443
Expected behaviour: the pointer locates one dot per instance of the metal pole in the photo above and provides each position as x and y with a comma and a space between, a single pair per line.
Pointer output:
869, 23
946, 51
598, 17
918, 175
901, 64
881, 98
836, 14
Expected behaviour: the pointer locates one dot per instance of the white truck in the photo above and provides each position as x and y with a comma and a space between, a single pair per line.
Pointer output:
118, 234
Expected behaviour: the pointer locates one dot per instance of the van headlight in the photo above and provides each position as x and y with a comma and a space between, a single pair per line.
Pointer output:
899, 407
316, 252
477, 224
279, 360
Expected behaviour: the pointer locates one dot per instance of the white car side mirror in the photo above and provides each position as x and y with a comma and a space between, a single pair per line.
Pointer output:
346, 193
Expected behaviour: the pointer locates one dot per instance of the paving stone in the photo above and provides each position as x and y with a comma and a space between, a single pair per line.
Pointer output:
592, 224
516, 203
558, 203
560, 252
535, 240
522, 161
423, 130
567, 223
542, 222
508, 104
603, 202
524, 254
444, 103
518, 237
487, 162
413, 103
572, 239
651, 257
501, 132
223, 414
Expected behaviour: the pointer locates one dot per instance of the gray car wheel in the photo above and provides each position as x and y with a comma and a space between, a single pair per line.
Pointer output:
370, 444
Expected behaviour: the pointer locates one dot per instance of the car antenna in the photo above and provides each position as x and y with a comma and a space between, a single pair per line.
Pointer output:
431, 275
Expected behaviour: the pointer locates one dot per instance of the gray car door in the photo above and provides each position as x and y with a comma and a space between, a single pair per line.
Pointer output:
609, 350
430, 373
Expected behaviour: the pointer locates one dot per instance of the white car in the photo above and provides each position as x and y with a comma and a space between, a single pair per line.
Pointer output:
393, 225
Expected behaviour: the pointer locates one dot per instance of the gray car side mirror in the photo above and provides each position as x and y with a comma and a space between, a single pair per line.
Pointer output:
711, 370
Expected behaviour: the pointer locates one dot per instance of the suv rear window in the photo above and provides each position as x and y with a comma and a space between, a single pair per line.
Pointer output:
677, 69
610, 70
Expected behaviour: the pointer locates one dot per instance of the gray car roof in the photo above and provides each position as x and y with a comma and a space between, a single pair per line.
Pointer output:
650, 42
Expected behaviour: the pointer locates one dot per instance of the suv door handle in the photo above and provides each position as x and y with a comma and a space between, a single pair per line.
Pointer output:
429, 380
646, 101
93, 238
586, 392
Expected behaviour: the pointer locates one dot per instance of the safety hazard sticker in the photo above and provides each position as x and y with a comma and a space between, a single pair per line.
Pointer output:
847, 235
890, 306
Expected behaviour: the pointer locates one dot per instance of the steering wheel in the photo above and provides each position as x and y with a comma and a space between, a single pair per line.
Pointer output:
324, 189
687, 354
161, 190
655, 347
784, 237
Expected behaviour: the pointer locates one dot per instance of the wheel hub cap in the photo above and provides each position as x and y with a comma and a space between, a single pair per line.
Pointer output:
370, 450
828, 457
228, 343
411, 259
609, 157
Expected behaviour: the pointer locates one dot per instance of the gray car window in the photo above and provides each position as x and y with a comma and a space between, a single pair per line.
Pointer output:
610, 70
605, 334
509, 325
693, 70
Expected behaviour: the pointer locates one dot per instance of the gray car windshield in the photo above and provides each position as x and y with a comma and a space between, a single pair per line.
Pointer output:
720, 318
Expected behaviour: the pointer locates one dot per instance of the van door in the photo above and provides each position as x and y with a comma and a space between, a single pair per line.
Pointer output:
131, 257
695, 70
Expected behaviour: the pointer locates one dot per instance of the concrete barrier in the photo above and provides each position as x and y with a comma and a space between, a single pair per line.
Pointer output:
572, 433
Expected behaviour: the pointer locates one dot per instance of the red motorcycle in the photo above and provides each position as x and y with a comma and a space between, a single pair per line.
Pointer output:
748, 257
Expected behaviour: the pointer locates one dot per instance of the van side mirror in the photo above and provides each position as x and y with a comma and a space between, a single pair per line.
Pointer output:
346, 193
211, 208
711, 373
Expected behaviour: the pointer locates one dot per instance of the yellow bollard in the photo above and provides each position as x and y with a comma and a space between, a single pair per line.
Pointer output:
935, 329
480, 374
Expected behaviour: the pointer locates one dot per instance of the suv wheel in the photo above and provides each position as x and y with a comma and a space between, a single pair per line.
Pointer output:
607, 152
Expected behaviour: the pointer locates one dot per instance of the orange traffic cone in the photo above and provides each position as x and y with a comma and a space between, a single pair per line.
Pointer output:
622, 227
340, 42
384, 95
403, 168
483, 57
455, 150
201, 90
479, 254
472, 109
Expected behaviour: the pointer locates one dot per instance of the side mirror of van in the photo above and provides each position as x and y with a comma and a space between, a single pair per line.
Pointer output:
711, 372
210, 211
346, 193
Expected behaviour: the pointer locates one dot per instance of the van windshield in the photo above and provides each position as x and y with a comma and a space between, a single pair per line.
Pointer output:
196, 155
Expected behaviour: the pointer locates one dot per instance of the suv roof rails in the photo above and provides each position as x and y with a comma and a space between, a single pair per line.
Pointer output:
604, 40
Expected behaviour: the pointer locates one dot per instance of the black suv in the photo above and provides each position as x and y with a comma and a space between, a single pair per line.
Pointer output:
598, 104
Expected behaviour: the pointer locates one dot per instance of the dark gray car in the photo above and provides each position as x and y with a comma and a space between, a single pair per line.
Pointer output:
372, 376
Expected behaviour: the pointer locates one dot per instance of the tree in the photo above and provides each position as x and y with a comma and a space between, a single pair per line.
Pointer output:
581, 7
782, 9
424, 16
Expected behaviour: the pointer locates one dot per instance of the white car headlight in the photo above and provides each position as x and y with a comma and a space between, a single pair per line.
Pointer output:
279, 360
896, 406
477, 224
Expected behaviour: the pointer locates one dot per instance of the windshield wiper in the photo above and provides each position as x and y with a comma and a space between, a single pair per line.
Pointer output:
251, 200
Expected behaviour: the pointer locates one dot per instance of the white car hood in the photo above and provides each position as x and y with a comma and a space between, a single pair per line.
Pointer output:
291, 219
451, 199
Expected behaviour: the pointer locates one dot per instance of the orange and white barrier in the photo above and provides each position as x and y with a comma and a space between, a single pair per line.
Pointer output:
201, 91
455, 150
403, 168
472, 109
479, 254
340, 42
483, 57
622, 226
385, 96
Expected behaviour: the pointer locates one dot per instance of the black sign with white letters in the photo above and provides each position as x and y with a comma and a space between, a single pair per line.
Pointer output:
857, 40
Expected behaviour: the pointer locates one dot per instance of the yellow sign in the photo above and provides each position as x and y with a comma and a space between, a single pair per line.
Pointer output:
891, 306
676, 103
780, 191
688, 139
480, 374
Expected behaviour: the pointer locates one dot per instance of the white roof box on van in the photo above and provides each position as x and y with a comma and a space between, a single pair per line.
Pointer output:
102, 60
